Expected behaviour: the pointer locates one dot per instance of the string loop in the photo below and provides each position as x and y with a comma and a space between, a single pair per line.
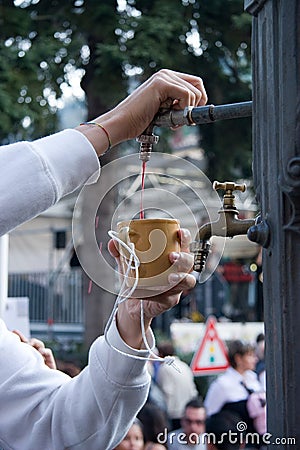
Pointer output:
125, 293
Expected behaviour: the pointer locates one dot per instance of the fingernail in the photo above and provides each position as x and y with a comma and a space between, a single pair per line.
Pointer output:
173, 278
174, 256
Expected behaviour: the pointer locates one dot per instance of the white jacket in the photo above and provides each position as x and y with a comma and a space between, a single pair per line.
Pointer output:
178, 387
227, 388
42, 408
35, 175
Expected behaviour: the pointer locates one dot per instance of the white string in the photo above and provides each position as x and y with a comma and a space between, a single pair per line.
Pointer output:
124, 294
169, 360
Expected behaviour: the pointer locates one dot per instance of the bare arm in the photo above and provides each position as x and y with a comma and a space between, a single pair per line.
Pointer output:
132, 116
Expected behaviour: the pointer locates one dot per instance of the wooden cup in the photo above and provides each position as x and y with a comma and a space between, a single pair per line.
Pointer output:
153, 240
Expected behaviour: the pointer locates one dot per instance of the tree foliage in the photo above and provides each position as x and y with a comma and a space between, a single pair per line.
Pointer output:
210, 38
43, 42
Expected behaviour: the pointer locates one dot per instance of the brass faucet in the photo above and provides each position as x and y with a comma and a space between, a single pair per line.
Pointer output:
227, 225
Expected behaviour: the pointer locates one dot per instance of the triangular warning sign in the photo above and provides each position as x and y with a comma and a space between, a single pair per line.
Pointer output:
211, 356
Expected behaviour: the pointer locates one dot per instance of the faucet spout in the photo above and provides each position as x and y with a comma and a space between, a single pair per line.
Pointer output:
227, 224
234, 225
205, 231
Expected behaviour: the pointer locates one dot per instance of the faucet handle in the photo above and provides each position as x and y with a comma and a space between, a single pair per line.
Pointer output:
229, 186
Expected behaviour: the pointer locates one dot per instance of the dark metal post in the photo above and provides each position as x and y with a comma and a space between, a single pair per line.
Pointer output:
276, 141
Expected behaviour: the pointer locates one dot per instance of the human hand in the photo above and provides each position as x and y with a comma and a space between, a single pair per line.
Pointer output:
40, 347
132, 116
128, 315
165, 88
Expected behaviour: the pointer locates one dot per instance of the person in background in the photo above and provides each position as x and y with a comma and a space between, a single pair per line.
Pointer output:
156, 395
134, 439
191, 433
70, 368
231, 390
154, 422
45, 408
260, 368
222, 432
39, 345
178, 386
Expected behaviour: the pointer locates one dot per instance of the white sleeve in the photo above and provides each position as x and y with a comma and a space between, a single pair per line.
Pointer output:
215, 398
42, 408
35, 175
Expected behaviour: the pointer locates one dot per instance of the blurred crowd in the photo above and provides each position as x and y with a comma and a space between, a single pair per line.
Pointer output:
231, 416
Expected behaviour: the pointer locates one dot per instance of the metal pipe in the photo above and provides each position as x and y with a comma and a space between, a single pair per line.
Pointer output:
202, 114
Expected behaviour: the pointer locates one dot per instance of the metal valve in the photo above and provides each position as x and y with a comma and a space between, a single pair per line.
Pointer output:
146, 140
229, 187
227, 225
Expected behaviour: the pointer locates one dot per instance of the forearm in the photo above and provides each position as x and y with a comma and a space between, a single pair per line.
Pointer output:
130, 327
101, 140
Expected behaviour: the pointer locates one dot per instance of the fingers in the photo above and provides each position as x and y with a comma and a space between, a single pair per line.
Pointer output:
40, 347
22, 337
187, 90
36, 343
134, 114
182, 281
48, 357
185, 239
45, 352
163, 301
182, 258
114, 252
197, 82
113, 248
183, 263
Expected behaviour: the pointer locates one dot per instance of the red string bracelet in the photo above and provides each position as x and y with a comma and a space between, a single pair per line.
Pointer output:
102, 128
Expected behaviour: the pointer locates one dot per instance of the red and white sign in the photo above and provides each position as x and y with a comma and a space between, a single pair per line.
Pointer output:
211, 356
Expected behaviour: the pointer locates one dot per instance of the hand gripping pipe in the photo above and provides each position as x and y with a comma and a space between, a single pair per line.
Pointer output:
189, 116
